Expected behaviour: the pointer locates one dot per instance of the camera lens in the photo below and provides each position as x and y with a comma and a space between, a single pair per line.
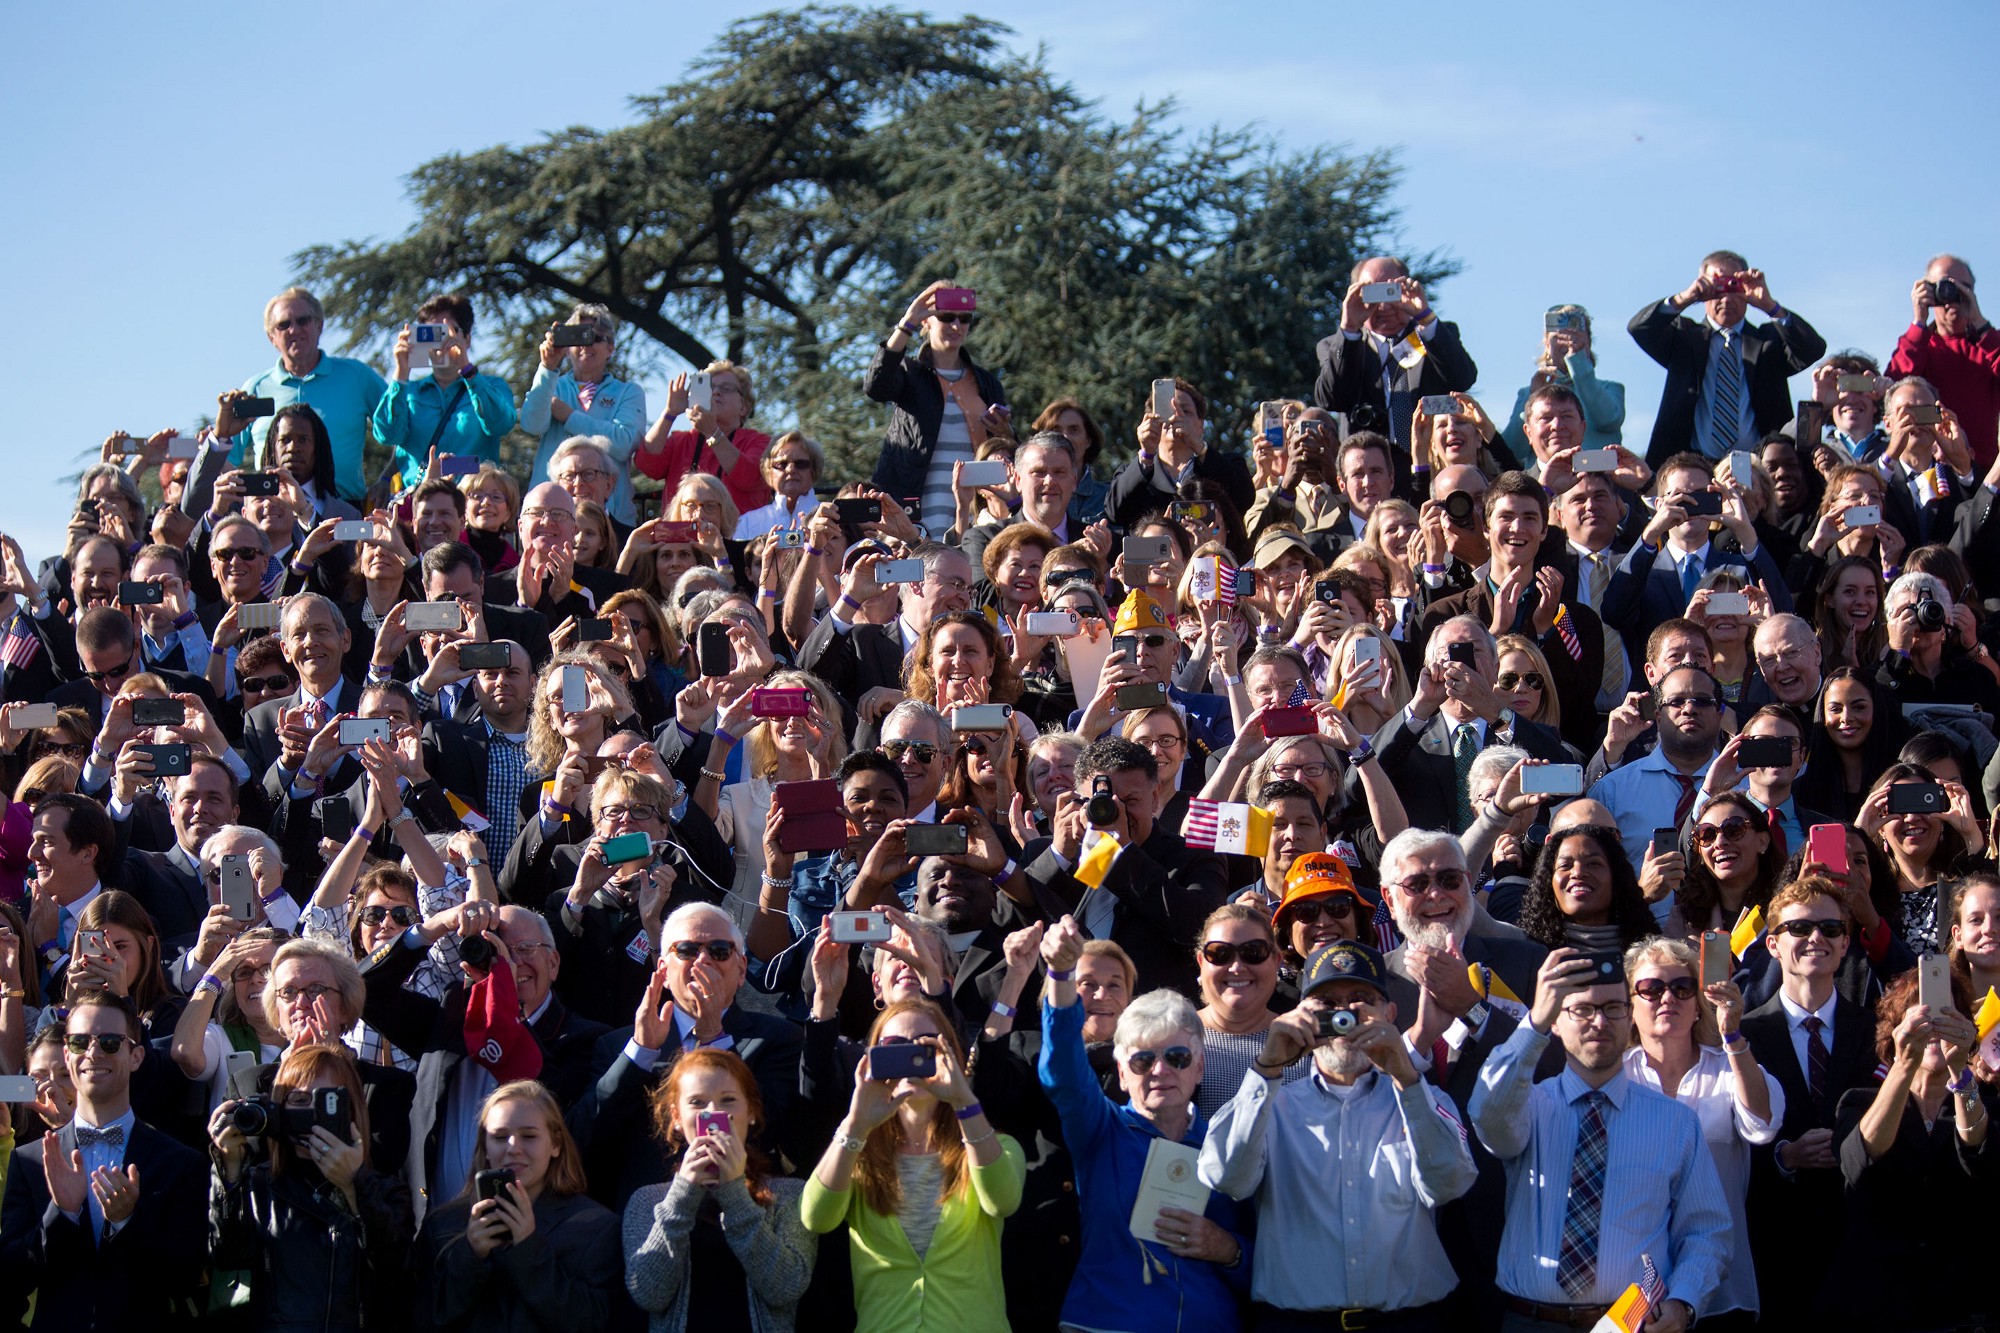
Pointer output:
251, 1118
478, 951
1458, 507
1931, 615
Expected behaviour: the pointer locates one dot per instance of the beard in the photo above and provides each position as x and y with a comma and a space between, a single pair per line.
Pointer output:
1438, 936
1342, 1061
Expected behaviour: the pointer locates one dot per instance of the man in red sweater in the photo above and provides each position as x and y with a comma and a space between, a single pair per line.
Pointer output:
1958, 351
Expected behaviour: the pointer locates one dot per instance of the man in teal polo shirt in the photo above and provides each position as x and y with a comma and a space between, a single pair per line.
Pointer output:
342, 390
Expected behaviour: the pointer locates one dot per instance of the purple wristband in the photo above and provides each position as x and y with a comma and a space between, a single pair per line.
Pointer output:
968, 1112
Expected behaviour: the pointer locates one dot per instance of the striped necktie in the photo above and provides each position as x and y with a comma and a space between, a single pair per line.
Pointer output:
1726, 412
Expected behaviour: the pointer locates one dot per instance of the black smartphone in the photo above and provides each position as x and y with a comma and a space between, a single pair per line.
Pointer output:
249, 409
147, 712
1132, 697
573, 335
1704, 503
87, 511
259, 483
1649, 708
484, 656
593, 630
336, 818
131, 593
1607, 965
903, 1059
489, 1184
1464, 654
715, 655
1764, 752
1917, 798
333, 1111
169, 761
936, 839
854, 513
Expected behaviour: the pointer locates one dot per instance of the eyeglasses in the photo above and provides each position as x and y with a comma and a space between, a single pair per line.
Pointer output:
582, 474
1142, 1062
1334, 907
108, 1043
253, 974
1611, 1011
224, 554
1653, 989
1170, 744
956, 317
1444, 881
1221, 953
923, 753
527, 947
789, 464
1833, 928
275, 684
1299, 772
1680, 701
310, 994
1515, 680
630, 813
719, 951
1733, 830
110, 673
548, 515
1151, 640
287, 325
401, 915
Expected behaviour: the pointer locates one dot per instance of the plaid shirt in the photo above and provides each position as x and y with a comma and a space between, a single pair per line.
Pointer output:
431, 979
506, 775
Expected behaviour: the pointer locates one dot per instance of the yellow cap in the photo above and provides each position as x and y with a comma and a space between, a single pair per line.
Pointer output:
1140, 611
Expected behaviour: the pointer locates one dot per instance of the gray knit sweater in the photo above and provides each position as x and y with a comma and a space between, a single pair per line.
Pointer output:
772, 1244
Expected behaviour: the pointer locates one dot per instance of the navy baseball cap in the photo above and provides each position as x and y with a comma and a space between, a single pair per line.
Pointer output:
1344, 960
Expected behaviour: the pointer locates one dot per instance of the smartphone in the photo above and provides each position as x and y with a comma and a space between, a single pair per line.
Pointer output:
92, 944
1271, 422
1743, 468
1855, 384
573, 335
1666, 841
361, 730
1728, 604
981, 717
899, 571
1131, 698
862, 927
936, 840
1552, 780
490, 1184
458, 465
260, 483
434, 617
1127, 644
575, 690
1367, 650
992, 472
627, 847
1557, 320
1061, 624
903, 1059
1299, 721
1827, 844
132, 593
1327, 592
855, 513
248, 408
1917, 798
1934, 982
1145, 550
1380, 293
780, 701
183, 446
1440, 405
1717, 961
1863, 516
18, 1088
1764, 752
1607, 965
148, 712
485, 656
711, 1122
427, 345
169, 761
1704, 503
259, 616
593, 629
1188, 511
87, 511
1163, 398
336, 818
701, 392
714, 653
962, 299
1594, 460
354, 530
333, 1111
30, 716
1464, 654
239, 887
1649, 708
677, 532
1924, 414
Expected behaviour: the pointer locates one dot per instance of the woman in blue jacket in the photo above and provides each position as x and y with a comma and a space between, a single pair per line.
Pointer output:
1567, 360
1195, 1267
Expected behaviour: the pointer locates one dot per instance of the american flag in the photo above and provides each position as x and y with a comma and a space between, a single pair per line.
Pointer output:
20, 645
1387, 937
1650, 1284
1300, 695
1226, 580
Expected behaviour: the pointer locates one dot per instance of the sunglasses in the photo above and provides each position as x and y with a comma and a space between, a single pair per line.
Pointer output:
973, 745
1833, 928
719, 951
1151, 640
1141, 1062
1334, 907
1221, 953
228, 553
923, 753
1652, 990
287, 325
957, 317
277, 684
1514, 680
1734, 830
108, 1043
401, 915
1446, 881
99, 677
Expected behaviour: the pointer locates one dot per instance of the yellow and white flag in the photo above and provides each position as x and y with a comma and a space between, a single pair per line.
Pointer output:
1748, 928
1224, 826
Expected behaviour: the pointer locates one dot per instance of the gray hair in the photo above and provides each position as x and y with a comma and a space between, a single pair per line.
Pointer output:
212, 853
597, 317
1152, 1018
576, 444
1494, 761
1913, 585
1412, 843
541, 923
301, 602
934, 554
691, 587
1053, 440
1436, 648
920, 710
687, 913
128, 489
1072, 741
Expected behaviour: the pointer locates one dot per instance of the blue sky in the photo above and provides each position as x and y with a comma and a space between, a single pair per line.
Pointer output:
161, 178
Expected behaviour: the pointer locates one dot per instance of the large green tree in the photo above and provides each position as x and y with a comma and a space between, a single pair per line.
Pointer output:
781, 205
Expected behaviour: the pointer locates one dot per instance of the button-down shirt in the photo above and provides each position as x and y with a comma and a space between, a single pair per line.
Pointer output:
1662, 1197
1346, 1183
777, 514
344, 393
1795, 1022
1643, 796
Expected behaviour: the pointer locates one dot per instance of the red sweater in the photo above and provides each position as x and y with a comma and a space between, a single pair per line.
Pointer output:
1966, 372
745, 481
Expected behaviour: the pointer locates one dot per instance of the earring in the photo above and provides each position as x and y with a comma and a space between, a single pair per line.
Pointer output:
879, 1005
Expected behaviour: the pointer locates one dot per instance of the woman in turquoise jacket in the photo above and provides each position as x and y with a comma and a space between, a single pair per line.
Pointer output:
1567, 359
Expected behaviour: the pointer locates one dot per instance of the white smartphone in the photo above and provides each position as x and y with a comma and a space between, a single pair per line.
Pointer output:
993, 472
354, 530
1062, 624
1367, 650
1552, 780
861, 928
1595, 460
183, 446
1728, 604
1934, 982
434, 617
701, 393
1379, 293
18, 1088
29, 716
575, 690
428, 345
361, 730
259, 615
1863, 516
1163, 398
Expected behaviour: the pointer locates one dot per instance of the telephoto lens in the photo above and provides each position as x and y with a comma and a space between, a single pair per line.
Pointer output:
252, 1117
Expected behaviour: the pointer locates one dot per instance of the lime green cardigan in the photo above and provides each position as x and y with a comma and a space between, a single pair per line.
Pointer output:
955, 1287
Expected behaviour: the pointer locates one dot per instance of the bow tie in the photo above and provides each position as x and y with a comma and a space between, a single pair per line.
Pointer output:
85, 1136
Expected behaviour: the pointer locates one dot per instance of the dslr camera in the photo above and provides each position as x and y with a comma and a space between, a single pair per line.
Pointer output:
1459, 507
1946, 292
1931, 615
1102, 811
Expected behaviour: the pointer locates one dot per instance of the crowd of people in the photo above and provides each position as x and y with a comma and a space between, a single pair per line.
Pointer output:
1411, 870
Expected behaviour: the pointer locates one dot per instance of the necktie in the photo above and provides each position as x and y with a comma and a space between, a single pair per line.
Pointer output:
1464, 747
1690, 578
1597, 577
1689, 787
586, 394
114, 1136
1726, 413
1816, 1057
1777, 831
1576, 1260
1402, 403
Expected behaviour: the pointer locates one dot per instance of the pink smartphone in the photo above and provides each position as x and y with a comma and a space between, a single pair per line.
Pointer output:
956, 298
711, 1122
1827, 844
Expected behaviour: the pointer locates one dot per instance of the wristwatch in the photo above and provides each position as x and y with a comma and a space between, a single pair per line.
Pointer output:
1475, 1017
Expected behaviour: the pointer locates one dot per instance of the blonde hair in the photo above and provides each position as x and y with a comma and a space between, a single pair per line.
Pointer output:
1674, 953
488, 472
1550, 714
1395, 684
761, 754
545, 743
803, 441
744, 389
294, 294
875, 1174
711, 491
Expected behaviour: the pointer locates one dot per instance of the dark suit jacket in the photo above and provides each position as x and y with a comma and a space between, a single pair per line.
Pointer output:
1937, 521
141, 1277
855, 662
1427, 782
260, 734
1647, 588
613, 1124
80, 693
177, 900
1772, 353
504, 589
1350, 378
1141, 486
1575, 682
1164, 890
